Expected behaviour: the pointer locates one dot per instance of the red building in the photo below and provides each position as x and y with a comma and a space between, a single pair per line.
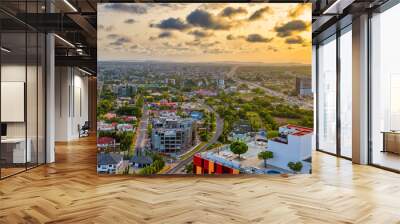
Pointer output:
207, 166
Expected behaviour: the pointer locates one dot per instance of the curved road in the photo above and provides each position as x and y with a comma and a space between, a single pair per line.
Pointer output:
214, 139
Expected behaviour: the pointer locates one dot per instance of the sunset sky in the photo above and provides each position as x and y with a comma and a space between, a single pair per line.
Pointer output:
240, 32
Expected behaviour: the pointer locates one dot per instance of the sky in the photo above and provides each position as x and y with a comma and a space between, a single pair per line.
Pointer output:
205, 32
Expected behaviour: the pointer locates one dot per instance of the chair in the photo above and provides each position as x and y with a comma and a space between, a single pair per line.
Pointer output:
84, 130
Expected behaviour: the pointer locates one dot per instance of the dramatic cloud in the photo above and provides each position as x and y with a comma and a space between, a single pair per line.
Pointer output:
172, 24
271, 48
259, 14
232, 12
201, 44
130, 21
112, 36
174, 6
200, 34
206, 20
230, 37
295, 40
121, 41
206, 45
106, 28
298, 10
165, 34
216, 51
193, 43
285, 30
177, 47
257, 38
212, 6
131, 8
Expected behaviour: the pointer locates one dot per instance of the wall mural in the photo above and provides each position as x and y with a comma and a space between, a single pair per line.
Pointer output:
211, 88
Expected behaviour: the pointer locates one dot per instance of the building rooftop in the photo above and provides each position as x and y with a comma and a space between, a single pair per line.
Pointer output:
143, 160
225, 157
108, 158
105, 140
298, 130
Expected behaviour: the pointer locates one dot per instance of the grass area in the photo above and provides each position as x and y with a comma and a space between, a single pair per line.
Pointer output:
164, 169
193, 151
284, 121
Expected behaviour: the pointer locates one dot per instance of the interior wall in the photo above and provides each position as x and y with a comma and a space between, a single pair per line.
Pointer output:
92, 98
15, 73
71, 102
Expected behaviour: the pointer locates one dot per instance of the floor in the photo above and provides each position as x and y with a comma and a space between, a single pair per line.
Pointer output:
70, 191
387, 159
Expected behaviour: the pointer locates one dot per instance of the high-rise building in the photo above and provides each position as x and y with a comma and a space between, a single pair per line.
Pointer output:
303, 86
172, 134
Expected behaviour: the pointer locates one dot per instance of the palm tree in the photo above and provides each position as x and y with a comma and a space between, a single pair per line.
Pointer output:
265, 155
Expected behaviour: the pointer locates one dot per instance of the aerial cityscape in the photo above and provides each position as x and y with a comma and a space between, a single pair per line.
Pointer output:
230, 100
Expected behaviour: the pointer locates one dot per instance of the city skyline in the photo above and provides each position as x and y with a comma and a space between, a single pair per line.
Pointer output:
216, 32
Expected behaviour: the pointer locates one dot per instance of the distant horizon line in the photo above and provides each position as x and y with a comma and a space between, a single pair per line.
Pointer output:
202, 62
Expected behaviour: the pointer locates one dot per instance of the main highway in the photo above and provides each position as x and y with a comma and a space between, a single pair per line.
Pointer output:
214, 139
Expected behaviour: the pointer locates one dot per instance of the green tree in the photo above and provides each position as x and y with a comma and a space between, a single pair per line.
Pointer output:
255, 120
129, 110
158, 164
125, 139
243, 86
258, 91
189, 168
273, 134
239, 148
104, 106
149, 129
140, 101
204, 136
265, 155
295, 167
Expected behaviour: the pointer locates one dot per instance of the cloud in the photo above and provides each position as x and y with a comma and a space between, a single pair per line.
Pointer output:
200, 34
193, 43
106, 28
259, 14
112, 36
177, 47
230, 37
232, 12
206, 20
287, 29
271, 48
172, 24
121, 41
295, 40
298, 10
212, 6
216, 51
206, 45
201, 44
165, 34
257, 38
131, 8
130, 21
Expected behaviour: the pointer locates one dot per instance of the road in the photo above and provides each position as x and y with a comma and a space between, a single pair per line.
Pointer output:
214, 139
289, 99
141, 132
